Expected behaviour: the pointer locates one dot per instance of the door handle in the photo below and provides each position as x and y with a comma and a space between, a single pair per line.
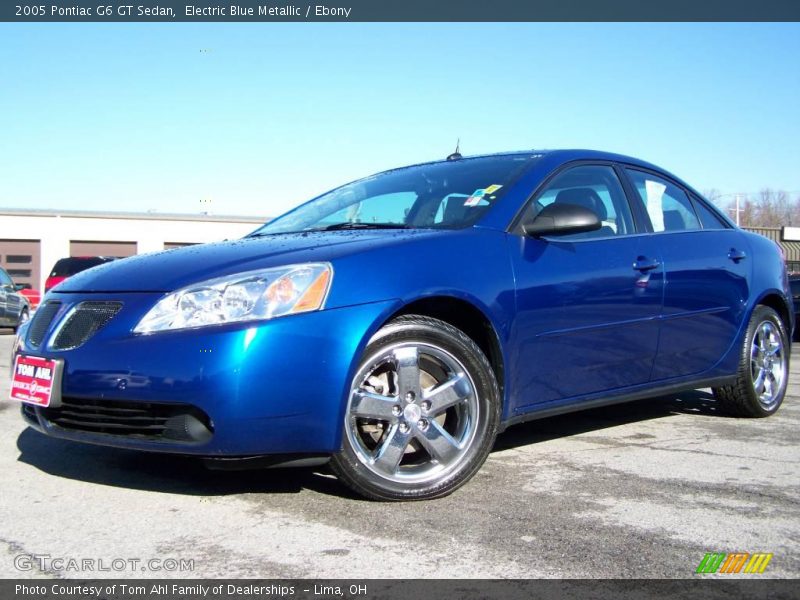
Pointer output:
737, 255
646, 264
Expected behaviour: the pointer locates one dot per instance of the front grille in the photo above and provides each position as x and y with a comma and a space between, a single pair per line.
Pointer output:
41, 322
83, 322
155, 421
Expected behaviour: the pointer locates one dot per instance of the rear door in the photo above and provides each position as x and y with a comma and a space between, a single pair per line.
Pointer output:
707, 266
587, 304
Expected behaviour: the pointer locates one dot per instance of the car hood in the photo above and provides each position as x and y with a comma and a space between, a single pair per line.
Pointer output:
173, 269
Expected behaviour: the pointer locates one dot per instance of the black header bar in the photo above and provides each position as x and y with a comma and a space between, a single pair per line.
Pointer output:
398, 10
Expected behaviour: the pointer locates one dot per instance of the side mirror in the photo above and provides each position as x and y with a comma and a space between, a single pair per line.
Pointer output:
561, 219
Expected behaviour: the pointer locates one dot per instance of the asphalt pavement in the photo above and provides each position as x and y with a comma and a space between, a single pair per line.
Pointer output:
641, 490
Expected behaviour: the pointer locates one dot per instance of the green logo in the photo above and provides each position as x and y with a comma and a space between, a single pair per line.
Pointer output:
737, 562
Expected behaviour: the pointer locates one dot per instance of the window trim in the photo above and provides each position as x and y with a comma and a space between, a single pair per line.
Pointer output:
643, 224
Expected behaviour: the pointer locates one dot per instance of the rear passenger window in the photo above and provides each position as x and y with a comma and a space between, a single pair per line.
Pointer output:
708, 218
667, 205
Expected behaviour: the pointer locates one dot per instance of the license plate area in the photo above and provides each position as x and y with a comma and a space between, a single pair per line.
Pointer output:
36, 380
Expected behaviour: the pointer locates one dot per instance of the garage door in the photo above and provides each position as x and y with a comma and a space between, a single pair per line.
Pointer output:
118, 249
21, 258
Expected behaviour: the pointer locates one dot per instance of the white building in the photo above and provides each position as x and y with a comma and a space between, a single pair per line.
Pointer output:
31, 241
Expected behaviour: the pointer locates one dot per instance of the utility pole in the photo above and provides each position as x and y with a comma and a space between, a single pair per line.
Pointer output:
738, 208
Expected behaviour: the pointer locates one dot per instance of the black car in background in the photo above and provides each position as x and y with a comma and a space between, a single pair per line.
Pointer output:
14, 307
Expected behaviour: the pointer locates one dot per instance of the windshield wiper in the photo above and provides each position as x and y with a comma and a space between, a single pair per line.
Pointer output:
355, 225
334, 227
258, 234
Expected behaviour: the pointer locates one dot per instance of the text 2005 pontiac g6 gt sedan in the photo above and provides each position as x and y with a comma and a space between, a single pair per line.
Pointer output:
396, 324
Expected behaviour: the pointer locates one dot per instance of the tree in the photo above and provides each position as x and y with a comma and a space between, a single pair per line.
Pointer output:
770, 208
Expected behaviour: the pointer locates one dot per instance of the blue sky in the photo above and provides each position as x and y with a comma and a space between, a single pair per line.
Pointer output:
259, 117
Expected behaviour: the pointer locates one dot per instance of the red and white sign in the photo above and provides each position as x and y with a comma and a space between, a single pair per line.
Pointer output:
33, 379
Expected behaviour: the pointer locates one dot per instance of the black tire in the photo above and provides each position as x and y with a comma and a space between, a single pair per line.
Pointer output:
399, 451
23, 317
747, 397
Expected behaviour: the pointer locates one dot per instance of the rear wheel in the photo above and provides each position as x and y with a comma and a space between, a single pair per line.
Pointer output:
763, 368
423, 413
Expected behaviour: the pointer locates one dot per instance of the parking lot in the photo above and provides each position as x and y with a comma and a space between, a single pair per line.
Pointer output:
637, 490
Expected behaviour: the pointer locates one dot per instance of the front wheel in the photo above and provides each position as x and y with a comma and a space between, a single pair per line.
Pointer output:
423, 413
763, 368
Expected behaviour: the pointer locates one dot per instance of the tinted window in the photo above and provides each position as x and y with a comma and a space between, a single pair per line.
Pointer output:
708, 218
4, 278
595, 187
450, 195
667, 205
69, 266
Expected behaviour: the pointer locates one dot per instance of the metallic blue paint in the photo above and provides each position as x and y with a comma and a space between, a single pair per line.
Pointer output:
575, 322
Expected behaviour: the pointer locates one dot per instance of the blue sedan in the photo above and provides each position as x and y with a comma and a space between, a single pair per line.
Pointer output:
395, 325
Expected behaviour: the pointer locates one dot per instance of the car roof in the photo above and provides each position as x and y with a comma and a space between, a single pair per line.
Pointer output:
565, 155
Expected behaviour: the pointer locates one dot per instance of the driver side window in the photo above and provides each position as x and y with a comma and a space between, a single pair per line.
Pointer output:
595, 187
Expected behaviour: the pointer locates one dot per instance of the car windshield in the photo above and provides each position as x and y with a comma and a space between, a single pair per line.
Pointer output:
449, 195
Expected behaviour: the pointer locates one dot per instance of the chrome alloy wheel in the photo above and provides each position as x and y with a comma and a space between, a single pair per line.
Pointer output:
768, 364
412, 413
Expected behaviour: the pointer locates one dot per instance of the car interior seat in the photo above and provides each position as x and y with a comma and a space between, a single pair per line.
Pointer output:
587, 198
673, 221
454, 209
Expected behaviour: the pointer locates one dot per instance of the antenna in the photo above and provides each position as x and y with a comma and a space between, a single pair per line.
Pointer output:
456, 155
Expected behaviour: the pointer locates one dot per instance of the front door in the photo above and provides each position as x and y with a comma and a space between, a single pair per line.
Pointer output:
588, 305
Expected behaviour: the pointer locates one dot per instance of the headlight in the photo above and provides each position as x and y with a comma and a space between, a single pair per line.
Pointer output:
250, 296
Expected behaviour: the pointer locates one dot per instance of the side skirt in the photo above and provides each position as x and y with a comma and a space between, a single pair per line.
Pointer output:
267, 461
596, 402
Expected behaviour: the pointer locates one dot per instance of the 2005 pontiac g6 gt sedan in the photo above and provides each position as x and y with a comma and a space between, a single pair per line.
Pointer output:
395, 325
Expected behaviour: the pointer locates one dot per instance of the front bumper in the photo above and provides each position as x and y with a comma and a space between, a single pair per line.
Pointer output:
273, 387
